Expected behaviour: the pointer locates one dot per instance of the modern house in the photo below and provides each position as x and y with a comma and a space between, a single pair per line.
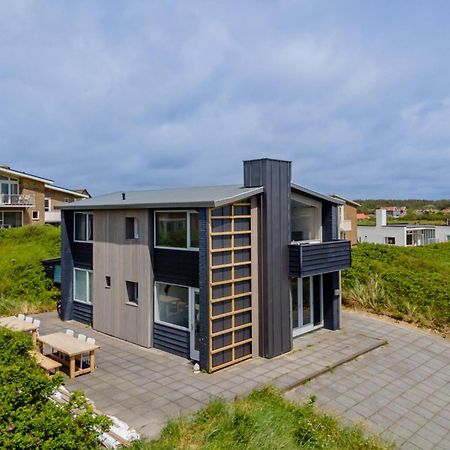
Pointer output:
395, 212
28, 199
396, 234
347, 219
213, 274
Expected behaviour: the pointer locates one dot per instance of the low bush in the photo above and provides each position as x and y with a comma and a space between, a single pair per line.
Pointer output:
410, 284
263, 420
23, 284
28, 419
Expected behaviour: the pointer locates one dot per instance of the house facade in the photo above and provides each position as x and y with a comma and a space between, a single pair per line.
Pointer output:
347, 219
27, 199
214, 274
404, 235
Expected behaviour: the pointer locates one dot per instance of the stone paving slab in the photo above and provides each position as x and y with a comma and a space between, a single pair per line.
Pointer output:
146, 387
401, 390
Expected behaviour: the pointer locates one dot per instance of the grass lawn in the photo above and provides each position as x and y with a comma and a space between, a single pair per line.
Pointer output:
23, 284
406, 283
263, 420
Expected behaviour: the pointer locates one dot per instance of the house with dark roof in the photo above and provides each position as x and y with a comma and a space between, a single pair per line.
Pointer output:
215, 274
27, 199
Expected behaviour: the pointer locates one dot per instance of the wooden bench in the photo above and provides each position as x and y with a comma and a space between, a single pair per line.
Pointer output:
49, 365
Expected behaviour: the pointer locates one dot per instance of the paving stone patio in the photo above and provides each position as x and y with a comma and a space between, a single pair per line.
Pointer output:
145, 387
401, 390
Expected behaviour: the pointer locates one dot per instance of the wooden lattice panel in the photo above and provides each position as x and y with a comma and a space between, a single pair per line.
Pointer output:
230, 284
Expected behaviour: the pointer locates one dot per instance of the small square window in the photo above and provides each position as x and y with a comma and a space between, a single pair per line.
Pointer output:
389, 240
35, 215
66, 199
131, 231
133, 292
108, 282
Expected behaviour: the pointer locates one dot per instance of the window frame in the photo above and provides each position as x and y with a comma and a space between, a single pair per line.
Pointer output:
386, 239
188, 213
87, 214
135, 228
48, 207
156, 310
135, 293
88, 287
32, 214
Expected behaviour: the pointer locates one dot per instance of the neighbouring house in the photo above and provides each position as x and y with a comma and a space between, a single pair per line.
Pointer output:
213, 274
396, 234
362, 216
443, 233
395, 211
29, 199
347, 219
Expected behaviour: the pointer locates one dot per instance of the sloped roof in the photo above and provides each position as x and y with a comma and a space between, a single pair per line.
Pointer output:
346, 200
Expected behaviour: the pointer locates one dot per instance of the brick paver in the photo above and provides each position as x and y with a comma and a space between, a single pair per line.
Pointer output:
145, 387
401, 390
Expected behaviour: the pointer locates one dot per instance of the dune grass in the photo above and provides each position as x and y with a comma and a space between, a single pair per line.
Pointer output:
23, 284
262, 420
407, 283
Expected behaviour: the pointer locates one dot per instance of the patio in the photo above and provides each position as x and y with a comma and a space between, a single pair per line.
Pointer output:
146, 387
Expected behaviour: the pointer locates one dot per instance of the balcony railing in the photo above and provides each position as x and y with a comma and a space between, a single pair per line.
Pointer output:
17, 200
307, 259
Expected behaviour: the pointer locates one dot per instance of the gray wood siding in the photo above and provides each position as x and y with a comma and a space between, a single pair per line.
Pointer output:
315, 259
122, 260
171, 340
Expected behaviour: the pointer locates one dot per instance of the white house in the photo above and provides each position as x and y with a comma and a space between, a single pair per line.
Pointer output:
397, 234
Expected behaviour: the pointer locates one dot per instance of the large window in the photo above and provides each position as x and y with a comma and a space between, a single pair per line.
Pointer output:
10, 219
306, 223
83, 229
172, 304
82, 285
176, 229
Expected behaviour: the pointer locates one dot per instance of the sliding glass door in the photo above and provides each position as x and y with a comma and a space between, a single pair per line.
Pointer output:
307, 304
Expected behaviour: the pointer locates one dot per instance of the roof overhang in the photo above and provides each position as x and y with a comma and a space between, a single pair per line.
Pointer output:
314, 194
18, 174
66, 191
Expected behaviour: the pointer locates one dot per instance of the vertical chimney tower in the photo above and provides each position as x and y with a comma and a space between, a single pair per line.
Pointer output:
274, 237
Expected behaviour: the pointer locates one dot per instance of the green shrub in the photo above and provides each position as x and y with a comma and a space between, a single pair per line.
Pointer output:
23, 284
263, 420
28, 419
411, 284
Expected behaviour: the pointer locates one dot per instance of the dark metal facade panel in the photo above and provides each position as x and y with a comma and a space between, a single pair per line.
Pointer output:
275, 320
315, 259
171, 340
176, 266
81, 251
329, 222
82, 312
204, 287
331, 301
66, 266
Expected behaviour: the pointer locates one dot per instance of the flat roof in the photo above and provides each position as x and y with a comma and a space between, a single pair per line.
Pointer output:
193, 197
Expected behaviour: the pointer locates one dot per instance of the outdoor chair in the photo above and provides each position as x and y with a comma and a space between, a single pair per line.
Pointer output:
37, 322
85, 359
70, 333
82, 337
21, 316
29, 319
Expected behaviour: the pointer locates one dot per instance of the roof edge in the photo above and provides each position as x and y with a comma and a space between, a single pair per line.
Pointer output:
312, 193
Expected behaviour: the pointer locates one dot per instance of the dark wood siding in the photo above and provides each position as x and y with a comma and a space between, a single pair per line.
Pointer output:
329, 222
315, 259
275, 310
171, 340
82, 312
176, 266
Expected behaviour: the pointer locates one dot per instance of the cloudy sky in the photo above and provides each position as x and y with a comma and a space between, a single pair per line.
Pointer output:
114, 95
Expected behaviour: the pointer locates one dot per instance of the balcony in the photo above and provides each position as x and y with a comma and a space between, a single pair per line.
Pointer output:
346, 225
15, 200
307, 259
52, 216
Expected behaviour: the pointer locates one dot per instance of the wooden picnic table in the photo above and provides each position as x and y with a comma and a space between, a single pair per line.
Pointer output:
73, 348
16, 324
